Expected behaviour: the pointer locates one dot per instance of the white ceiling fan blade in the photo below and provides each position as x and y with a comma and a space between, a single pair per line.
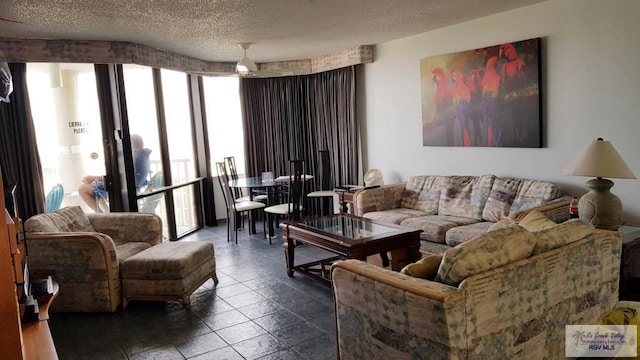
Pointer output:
245, 65
247, 68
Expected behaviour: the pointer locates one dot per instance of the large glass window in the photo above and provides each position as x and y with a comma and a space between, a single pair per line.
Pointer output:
141, 111
178, 118
66, 115
67, 119
224, 124
143, 121
177, 112
224, 119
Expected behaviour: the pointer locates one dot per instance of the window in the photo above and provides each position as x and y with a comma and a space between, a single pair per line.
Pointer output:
66, 116
224, 119
178, 118
141, 110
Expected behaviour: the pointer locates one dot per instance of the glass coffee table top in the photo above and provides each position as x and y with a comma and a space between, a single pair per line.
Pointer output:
346, 226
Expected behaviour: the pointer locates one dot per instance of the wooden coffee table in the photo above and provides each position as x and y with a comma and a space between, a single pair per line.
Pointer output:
349, 237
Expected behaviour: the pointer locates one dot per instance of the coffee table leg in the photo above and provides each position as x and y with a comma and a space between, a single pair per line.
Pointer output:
399, 259
404, 256
288, 246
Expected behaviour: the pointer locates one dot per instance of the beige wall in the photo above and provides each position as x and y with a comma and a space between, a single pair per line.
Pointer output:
591, 88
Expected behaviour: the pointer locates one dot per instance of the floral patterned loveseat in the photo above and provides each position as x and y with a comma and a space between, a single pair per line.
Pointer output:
507, 294
83, 252
453, 209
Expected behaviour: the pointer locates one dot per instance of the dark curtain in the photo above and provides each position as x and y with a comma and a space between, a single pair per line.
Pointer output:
289, 118
19, 156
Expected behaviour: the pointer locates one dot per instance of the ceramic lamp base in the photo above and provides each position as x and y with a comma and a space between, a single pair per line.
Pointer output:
599, 206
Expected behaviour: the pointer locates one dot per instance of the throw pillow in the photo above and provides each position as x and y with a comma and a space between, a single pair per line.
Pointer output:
485, 252
68, 219
625, 313
562, 234
425, 268
536, 221
506, 222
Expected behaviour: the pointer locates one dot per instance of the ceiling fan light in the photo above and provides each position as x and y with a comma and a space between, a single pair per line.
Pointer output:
246, 65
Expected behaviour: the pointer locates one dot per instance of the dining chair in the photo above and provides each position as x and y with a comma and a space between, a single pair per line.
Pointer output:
325, 194
234, 208
254, 195
54, 198
150, 203
294, 206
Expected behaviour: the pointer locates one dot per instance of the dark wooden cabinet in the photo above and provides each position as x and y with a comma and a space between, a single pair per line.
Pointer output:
28, 341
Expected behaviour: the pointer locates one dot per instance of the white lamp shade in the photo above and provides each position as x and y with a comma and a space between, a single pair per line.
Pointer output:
373, 177
600, 160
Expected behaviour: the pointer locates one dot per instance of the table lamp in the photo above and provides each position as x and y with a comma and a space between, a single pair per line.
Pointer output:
599, 206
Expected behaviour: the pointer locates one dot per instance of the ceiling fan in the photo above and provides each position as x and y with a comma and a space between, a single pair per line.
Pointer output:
245, 66
248, 68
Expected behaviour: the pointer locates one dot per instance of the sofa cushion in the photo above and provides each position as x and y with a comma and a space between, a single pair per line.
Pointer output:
425, 268
503, 223
536, 221
485, 252
501, 196
562, 234
532, 193
127, 250
167, 261
434, 227
465, 196
68, 219
459, 234
422, 193
412, 191
394, 216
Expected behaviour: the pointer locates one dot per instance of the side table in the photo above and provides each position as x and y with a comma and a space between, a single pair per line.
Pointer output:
36, 336
630, 263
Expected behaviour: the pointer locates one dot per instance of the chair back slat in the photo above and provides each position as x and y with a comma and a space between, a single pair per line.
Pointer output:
296, 188
223, 178
232, 172
325, 170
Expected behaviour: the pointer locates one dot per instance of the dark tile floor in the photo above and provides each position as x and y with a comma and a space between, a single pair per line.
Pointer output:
255, 312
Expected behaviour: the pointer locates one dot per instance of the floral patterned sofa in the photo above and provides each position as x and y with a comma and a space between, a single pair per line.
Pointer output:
453, 209
506, 294
83, 252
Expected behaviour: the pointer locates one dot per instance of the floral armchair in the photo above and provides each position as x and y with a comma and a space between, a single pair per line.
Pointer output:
498, 302
83, 252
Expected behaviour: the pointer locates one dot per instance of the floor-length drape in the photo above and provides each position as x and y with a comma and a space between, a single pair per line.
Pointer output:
294, 117
19, 156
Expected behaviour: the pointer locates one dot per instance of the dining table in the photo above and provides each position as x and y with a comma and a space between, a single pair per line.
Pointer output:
271, 187
257, 183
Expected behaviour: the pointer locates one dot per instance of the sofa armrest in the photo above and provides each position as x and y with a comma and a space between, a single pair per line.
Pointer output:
124, 227
385, 197
556, 210
381, 309
83, 263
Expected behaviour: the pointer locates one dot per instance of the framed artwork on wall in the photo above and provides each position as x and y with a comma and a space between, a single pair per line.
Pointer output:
488, 97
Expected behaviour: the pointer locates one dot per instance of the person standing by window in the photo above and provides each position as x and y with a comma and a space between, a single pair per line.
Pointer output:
92, 190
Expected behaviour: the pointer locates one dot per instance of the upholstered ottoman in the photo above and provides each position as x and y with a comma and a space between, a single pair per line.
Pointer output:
167, 271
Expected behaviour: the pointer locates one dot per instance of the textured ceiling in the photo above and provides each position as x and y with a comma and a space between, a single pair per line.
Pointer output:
210, 29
